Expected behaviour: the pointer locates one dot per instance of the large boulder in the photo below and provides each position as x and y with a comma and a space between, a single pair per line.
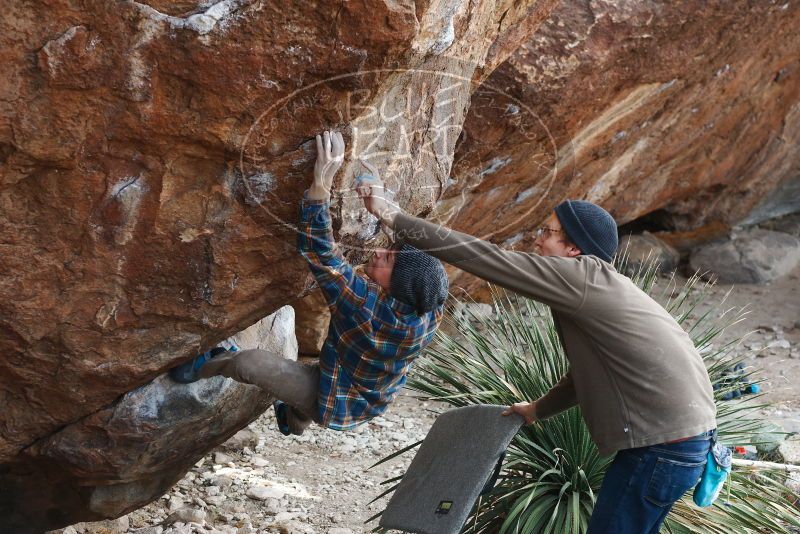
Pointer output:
754, 256
642, 250
152, 158
788, 224
684, 113
127, 454
275, 333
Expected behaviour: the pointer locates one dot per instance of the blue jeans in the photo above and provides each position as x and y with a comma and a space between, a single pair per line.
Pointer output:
642, 484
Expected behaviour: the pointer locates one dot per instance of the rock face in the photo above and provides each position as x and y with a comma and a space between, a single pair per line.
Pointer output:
645, 248
790, 224
684, 113
153, 155
275, 333
124, 456
129, 453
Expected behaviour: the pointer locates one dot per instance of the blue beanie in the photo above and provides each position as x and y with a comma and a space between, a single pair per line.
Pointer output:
418, 279
590, 227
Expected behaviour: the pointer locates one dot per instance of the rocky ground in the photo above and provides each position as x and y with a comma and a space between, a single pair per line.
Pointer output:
771, 327
263, 482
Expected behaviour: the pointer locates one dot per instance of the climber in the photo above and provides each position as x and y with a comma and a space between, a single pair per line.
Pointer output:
642, 387
379, 322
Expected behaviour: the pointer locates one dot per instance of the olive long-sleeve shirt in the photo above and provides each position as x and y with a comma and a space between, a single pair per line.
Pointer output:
633, 370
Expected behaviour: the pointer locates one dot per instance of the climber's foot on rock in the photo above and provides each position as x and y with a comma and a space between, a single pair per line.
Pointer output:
189, 372
290, 422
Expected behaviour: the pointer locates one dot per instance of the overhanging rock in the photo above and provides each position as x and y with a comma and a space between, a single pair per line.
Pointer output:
152, 157
131, 452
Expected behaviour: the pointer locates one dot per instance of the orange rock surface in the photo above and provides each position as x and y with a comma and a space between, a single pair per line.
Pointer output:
153, 157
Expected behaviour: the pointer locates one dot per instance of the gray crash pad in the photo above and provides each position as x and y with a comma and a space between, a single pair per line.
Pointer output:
454, 463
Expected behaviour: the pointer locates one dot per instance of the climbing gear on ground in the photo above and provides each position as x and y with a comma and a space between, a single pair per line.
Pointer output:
735, 384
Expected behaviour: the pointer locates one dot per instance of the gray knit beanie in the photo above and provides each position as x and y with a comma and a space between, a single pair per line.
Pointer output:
590, 227
418, 279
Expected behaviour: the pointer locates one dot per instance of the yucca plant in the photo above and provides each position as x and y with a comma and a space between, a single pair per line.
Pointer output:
553, 471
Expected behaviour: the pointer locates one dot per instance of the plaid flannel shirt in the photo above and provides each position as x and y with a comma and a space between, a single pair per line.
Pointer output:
373, 337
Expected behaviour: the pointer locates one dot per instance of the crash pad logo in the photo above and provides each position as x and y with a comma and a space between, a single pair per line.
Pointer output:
408, 124
444, 507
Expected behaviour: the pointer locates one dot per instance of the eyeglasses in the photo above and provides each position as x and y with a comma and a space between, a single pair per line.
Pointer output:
546, 231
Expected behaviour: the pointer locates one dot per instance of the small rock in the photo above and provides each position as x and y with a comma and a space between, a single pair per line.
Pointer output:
793, 483
110, 526
768, 442
212, 490
339, 530
382, 422
261, 493
157, 529
222, 458
780, 344
286, 516
243, 438
789, 451
175, 503
292, 527
222, 481
272, 506
216, 500
258, 461
186, 515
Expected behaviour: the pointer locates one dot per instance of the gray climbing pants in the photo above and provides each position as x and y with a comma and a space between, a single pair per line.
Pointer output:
287, 380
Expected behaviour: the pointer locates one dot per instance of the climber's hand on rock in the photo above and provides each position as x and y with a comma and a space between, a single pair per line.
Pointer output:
330, 155
372, 191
